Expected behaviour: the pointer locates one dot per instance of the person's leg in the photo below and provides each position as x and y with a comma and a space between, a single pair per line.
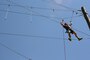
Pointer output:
77, 36
73, 32
69, 35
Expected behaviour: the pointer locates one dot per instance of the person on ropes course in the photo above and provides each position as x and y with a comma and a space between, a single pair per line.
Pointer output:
69, 30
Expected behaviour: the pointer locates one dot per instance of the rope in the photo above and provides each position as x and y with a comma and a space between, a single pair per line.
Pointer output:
69, 8
27, 7
31, 16
15, 51
72, 16
46, 37
82, 32
6, 15
48, 17
64, 45
24, 35
41, 8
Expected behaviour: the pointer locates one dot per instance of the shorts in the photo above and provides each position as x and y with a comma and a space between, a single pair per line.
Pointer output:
70, 31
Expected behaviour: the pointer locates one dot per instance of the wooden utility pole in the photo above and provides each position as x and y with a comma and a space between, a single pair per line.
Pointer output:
86, 16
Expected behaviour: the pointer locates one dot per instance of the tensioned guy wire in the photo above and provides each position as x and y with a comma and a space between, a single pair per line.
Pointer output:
14, 51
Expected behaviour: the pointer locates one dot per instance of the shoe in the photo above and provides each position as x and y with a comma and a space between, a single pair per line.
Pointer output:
69, 39
80, 39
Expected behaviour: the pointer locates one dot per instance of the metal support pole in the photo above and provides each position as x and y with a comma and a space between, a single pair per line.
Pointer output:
86, 16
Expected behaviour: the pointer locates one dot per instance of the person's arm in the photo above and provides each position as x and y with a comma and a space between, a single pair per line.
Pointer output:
62, 22
70, 23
